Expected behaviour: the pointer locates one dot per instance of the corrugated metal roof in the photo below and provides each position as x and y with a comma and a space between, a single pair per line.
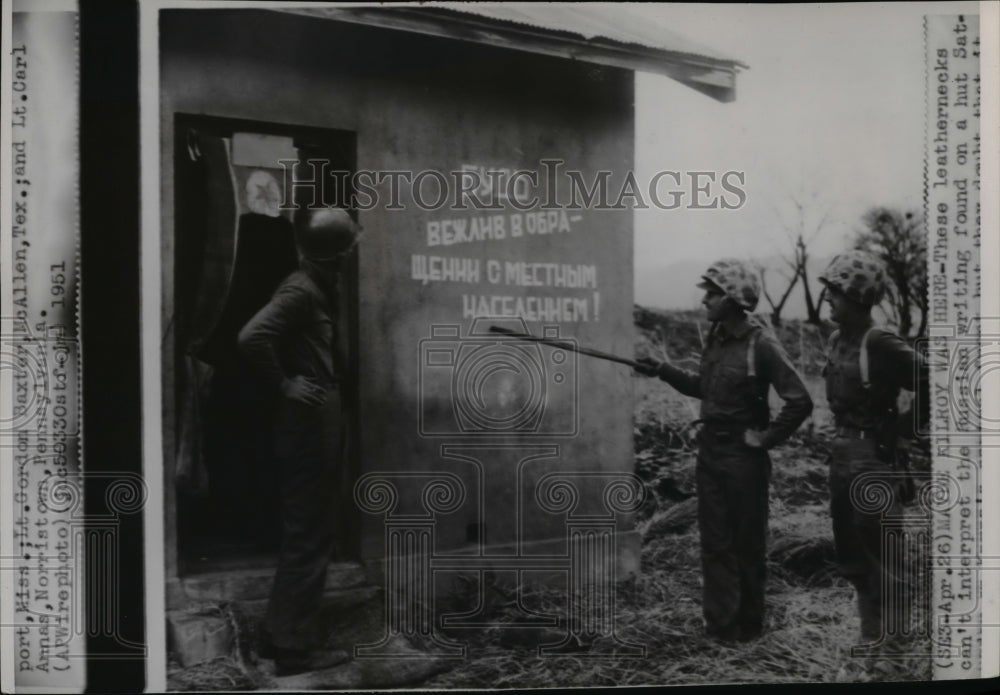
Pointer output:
602, 33
612, 21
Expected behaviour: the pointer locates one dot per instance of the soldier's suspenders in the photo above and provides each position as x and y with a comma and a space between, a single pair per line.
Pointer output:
752, 352
862, 355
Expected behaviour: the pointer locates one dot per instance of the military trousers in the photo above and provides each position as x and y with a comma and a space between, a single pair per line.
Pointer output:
733, 480
308, 441
862, 497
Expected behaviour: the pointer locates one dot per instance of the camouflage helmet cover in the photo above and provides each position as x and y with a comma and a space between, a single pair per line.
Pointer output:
736, 278
859, 275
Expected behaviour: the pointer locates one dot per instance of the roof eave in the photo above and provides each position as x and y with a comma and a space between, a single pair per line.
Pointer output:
713, 77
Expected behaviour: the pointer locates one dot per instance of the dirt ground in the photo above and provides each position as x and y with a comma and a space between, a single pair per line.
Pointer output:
811, 621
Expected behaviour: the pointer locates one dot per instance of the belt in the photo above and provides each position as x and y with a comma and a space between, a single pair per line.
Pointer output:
855, 433
722, 432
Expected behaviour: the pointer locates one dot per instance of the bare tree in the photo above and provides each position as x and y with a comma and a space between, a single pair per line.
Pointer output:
801, 226
777, 306
802, 259
898, 239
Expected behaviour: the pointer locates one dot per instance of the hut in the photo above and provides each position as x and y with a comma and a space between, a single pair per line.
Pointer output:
486, 151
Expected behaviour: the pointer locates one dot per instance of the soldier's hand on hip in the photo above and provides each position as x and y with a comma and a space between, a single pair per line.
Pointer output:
754, 439
304, 390
648, 366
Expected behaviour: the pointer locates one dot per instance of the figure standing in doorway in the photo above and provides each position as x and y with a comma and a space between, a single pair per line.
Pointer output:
293, 344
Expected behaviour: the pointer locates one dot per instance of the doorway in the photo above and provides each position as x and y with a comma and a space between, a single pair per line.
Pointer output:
234, 212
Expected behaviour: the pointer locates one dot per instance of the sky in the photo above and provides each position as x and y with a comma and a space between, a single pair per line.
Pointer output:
829, 113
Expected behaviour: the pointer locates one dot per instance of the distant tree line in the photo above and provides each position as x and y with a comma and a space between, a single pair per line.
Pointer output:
896, 237
899, 239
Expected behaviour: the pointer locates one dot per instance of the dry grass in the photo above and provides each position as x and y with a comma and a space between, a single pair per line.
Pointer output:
812, 620
811, 615
808, 639
218, 674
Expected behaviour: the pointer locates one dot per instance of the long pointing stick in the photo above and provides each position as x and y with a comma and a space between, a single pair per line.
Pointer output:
572, 347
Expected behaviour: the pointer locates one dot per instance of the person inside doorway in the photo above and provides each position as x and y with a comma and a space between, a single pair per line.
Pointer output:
292, 344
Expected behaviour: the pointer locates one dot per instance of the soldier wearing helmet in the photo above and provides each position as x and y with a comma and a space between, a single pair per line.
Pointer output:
742, 360
293, 343
866, 368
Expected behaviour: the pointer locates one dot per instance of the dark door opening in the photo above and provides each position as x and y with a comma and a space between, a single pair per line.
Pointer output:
233, 244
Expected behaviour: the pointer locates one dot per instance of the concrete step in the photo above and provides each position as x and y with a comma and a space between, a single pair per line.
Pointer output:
350, 616
251, 584
194, 638
335, 602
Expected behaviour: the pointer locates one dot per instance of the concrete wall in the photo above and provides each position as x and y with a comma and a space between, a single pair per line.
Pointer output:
420, 103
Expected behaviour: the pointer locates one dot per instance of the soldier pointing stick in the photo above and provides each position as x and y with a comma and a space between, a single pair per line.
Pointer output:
741, 362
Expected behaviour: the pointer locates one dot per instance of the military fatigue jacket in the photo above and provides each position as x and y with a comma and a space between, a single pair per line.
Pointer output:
293, 335
892, 365
730, 395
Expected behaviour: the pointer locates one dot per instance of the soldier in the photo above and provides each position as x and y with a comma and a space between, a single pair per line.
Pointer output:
740, 363
866, 368
292, 343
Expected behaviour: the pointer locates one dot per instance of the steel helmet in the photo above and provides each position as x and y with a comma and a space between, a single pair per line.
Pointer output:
737, 279
325, 234
859, 275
